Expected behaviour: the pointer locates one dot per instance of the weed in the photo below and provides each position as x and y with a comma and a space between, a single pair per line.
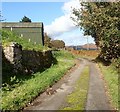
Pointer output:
76, 100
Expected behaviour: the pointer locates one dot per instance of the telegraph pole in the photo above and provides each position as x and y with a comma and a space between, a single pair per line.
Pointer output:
87, 43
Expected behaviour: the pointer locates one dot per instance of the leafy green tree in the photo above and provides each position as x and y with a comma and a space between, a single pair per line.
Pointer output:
101, 20
25, 19
57, 44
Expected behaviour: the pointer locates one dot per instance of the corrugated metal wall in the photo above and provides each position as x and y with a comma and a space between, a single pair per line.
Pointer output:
34, 35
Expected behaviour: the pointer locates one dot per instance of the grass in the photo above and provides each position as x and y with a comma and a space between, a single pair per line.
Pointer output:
24, 93
62, 53
77, 99
8, 37
111, 78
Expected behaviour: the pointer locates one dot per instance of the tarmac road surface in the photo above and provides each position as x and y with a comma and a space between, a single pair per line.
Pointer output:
96, 99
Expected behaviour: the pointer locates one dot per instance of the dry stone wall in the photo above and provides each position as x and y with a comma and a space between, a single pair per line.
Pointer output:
27, 61
13, 53
34, 60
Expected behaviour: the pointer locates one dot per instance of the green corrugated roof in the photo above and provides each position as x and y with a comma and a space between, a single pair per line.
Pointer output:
21, 24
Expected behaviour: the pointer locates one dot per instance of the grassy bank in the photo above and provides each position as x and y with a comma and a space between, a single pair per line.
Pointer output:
17, 97
8, 37
77, 99
111, 78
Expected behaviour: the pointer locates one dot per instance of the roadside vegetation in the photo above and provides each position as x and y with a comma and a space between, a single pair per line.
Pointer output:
77, 99
110, 76
21, 92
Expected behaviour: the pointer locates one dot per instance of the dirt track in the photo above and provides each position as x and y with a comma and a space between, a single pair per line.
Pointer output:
54, 97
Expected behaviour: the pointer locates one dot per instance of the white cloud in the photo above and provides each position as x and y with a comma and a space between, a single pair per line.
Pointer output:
59, 26
75, 37
63, 27
64, 23
68, 6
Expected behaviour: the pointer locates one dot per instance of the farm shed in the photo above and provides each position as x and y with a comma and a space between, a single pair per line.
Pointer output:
34, 31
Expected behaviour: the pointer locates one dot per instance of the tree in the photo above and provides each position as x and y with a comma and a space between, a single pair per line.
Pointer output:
1, 17
53, 43
25, 19
101, 21
47, 40
57, 44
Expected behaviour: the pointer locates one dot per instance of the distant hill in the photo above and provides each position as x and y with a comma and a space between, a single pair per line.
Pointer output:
90, 46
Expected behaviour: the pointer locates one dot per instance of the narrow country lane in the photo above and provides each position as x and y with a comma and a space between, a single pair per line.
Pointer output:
64, 87
96, 99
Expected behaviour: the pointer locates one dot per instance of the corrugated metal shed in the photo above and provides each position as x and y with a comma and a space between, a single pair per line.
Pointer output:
34, 31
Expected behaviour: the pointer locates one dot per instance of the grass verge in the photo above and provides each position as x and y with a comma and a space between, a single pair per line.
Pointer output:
38, 83
110, 76
77, 99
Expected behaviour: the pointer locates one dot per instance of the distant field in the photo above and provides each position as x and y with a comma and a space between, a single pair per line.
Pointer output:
86, 53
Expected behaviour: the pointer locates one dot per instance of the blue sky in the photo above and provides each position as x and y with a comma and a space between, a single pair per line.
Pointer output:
37, 11
54, 15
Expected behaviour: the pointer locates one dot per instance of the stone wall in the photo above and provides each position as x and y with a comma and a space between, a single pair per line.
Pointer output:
27, 61
34, 61
13, 54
